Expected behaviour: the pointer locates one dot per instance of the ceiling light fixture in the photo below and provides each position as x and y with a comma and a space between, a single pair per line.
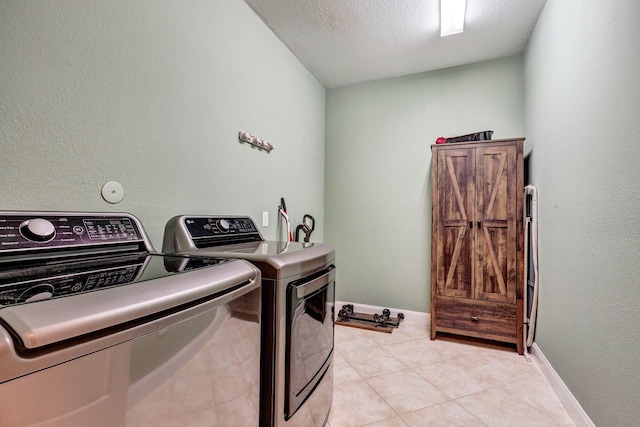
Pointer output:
452, 16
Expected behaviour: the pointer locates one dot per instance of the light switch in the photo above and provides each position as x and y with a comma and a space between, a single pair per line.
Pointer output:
265, 219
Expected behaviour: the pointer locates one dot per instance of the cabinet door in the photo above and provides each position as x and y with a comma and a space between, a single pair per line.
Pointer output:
456, 204
496, 270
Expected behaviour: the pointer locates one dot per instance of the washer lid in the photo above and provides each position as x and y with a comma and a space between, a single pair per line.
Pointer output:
41, 279
152, 294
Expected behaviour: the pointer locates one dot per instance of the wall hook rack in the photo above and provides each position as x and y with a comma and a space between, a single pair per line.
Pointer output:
255, 141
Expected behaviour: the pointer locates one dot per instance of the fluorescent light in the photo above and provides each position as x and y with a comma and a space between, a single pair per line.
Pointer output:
452, 16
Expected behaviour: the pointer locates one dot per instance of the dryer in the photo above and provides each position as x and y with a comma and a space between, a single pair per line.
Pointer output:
298, 297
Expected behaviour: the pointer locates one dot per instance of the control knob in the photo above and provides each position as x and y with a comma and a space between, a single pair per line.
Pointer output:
38, 230
223, 225
36, 293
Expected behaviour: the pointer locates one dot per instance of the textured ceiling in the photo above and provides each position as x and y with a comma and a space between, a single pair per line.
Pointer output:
352, 41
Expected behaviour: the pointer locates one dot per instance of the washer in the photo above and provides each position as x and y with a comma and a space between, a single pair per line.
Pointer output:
96, 329
298, 297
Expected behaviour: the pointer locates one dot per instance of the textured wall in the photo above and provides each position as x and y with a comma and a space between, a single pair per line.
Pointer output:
582, 120
152, 94
378, 169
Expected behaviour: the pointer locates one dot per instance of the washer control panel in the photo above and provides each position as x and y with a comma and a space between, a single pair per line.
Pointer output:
44, 230
65, 284
222, 229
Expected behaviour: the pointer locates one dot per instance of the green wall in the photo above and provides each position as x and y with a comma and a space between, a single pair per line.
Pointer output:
582, 121
378, 168
152, 94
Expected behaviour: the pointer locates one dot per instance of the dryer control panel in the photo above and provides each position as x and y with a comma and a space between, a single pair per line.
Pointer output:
218, 230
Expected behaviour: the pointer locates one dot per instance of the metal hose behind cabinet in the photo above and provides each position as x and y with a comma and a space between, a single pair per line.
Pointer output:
533, 247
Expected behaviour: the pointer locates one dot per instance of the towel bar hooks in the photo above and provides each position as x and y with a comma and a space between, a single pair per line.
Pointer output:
255, 141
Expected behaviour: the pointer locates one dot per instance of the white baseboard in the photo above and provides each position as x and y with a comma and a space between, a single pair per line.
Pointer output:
417, 318
571, 404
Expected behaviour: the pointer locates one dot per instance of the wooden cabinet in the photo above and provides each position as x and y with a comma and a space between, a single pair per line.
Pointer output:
477, 247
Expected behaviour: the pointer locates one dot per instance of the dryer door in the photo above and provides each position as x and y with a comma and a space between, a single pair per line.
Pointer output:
310, 308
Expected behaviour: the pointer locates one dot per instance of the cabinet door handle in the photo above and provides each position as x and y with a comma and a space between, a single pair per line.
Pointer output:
470, 224
480, 224
474, 318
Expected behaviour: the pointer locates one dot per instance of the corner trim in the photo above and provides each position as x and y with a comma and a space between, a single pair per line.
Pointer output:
568, 400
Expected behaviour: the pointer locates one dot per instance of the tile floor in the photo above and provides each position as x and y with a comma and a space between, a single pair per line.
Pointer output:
405, 379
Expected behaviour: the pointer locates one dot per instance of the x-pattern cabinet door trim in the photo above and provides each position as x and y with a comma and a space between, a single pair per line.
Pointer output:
477, 240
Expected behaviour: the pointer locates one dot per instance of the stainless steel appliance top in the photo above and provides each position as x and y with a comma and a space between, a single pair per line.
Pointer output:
65, 275
47, 255
238, 237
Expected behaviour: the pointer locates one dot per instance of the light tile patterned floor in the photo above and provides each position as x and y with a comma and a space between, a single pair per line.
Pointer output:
405, 379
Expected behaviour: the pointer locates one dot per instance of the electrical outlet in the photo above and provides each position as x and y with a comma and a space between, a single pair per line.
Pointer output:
265, 219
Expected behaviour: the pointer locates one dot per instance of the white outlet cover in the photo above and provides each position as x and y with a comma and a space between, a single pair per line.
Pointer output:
113, 192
